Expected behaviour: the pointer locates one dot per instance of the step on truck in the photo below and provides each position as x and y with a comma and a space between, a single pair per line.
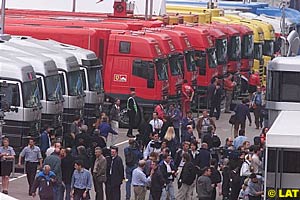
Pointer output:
21, 92
48, 81
70, 76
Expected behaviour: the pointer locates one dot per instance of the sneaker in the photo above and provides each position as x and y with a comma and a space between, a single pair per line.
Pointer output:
5, 192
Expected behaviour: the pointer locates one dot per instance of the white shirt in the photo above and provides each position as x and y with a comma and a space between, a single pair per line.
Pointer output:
156, 124
245, 170
49, 151
169, 169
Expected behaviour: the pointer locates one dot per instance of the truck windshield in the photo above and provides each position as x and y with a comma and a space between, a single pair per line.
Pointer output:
75, 85
258, 51
268, 48
53, 88
95, 79
234, 48
221, 46
161, 69
247, 46
176, 61
190, 61
31, 94
212, 58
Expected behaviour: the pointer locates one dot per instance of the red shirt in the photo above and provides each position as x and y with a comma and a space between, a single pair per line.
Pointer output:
254, 80
187, 90
228, 85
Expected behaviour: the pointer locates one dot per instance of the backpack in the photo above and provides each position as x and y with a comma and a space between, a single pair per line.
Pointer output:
129, 157
232, 119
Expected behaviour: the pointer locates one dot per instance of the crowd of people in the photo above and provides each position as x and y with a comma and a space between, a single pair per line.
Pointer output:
165, 154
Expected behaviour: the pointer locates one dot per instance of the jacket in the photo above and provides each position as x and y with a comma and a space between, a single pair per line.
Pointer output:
114, 113
138, 155
203, 187
241, 112
67, 168
188, 174
117, 168
204, 157
164, 172
175, 116
254, 80
157, 181
55, 163
228, 85
99, 171
105, 129
44, 142
200, 122
45, 183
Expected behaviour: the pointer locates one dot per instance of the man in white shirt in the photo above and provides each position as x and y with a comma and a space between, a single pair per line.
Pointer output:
156, 123
153, 146
256, 162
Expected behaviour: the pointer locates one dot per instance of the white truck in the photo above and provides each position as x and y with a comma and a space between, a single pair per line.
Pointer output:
48, 81
20, 88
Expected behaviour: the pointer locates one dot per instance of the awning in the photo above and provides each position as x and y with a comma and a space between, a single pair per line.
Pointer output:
285, 131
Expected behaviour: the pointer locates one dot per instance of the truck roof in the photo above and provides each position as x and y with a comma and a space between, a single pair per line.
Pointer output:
16, 69
80, 53
41, 64
285, 64
63, 60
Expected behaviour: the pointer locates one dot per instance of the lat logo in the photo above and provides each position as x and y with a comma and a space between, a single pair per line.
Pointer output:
284, 193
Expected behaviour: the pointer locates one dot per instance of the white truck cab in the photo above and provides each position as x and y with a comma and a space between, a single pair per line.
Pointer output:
49, 83
21, 91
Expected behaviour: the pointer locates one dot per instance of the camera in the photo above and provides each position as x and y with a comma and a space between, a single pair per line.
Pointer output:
155, 144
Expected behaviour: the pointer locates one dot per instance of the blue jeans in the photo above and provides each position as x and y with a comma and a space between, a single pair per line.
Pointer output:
129, 171
168, 191
68, 191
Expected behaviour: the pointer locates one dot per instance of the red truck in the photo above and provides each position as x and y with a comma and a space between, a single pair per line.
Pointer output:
130, 61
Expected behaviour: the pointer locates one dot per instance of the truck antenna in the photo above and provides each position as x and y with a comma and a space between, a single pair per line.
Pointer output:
2, 17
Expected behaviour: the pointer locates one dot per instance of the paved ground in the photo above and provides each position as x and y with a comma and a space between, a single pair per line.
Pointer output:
18, 186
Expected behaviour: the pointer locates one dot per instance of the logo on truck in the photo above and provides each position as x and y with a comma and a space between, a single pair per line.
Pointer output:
120, 78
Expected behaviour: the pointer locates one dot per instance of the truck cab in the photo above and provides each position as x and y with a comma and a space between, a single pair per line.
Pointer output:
175, 62
70, 77
136, 60
48, 81
205, 59
20, 86
91, 68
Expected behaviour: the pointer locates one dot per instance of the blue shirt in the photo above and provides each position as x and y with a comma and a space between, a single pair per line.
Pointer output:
31, 154
81, 179
9, 150
105, 129
139, 178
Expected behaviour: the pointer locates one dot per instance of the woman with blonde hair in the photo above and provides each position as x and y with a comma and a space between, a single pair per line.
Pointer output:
171, 141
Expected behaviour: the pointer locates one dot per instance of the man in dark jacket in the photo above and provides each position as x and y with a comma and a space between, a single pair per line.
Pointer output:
211, 90
45, 181
45, 140
187, 177
241, 112
115, 175
178, 156
157, 182
132, 110
67, 168
99, 173
204, 156
215, 177
168, 170
216, 102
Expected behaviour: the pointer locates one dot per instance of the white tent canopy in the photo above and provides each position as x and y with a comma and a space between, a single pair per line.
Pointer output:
285, 131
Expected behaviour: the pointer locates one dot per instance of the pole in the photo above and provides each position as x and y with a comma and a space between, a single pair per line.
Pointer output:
151, 9
283, 29
74, 6
2, 17
146, 9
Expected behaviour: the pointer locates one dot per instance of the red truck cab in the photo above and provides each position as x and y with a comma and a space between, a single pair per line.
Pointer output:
175, 61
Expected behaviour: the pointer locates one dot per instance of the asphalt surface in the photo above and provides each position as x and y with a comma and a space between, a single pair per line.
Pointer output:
18, 186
